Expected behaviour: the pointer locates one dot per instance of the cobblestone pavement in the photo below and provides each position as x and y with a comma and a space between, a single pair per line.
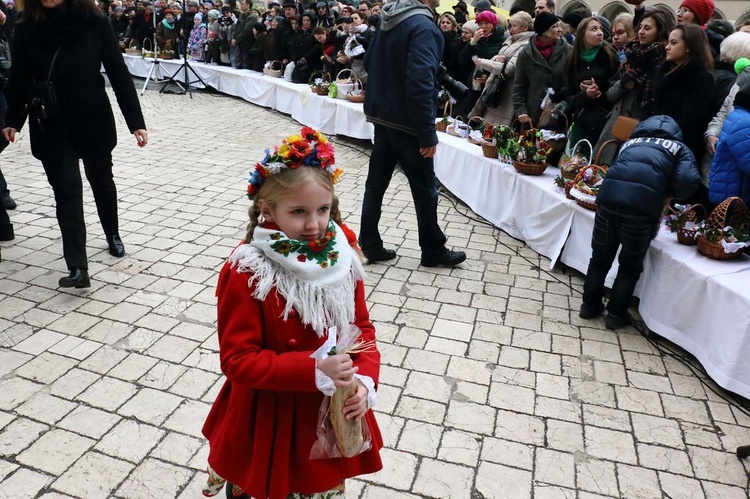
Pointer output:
491, 384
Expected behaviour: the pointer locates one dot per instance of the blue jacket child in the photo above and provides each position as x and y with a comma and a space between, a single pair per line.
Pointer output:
730, 169
652, 165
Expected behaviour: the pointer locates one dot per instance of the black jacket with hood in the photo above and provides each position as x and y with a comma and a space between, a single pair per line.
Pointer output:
652, 164
401, 64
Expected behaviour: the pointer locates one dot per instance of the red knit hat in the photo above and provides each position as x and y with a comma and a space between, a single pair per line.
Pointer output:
703, 9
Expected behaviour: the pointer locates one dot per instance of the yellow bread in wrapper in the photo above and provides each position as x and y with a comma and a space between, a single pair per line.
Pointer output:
348, 431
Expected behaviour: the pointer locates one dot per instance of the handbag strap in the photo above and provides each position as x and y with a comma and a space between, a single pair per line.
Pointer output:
52, 66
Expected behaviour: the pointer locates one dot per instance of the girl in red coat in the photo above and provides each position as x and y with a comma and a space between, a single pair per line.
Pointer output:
292, 278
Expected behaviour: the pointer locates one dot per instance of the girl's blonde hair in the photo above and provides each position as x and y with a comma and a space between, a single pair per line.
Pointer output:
277, 187
626, 19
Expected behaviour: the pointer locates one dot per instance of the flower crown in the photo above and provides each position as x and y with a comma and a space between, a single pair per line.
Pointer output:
308, 148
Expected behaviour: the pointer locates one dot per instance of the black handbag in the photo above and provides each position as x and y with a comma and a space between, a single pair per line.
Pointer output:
42, 105
4, 62
491, 95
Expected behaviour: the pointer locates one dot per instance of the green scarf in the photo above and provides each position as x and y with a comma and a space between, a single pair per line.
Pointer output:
167, 24
589, 55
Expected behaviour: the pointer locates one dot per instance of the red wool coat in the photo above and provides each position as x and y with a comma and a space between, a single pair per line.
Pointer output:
263, 423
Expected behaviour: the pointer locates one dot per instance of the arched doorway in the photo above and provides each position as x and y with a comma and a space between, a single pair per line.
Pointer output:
613, 9
574, 6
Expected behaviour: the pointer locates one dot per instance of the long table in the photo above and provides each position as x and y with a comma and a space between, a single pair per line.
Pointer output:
699, 304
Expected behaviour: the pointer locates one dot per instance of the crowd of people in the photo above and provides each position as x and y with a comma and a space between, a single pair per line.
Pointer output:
318, 36
591, 77
587, 76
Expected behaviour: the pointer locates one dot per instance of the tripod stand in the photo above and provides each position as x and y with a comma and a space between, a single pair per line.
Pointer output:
184, 68
155, 64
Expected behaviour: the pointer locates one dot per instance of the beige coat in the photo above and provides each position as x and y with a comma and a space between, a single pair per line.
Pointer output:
503, 113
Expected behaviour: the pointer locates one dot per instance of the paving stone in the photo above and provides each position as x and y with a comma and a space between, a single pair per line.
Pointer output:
597, 476
150, 406
130, 440
638, 482
459, 447
420, 438
496, 481
55, 451
23, 483
399, 469
154, 479
520, 428
664, 459
509, 453
470, 417
609, 444
89, 421
94, 475
18, 435
108, 393
439, 479
556, 468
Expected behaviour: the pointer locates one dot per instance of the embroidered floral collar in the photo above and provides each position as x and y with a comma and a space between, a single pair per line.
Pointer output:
320, 251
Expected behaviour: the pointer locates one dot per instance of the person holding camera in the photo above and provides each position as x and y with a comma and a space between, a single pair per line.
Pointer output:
60, 47
401, 97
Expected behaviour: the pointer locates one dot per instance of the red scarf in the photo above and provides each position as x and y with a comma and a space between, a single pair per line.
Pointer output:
545, 50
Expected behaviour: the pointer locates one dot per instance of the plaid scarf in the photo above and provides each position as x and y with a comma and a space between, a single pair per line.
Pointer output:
641, 65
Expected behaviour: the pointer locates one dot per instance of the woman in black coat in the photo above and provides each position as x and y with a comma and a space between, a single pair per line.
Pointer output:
683, 84
70, 40
590, 68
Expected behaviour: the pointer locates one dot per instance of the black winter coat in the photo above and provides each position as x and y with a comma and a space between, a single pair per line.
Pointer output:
653, 164
684, 93
590, 114
257, 52
144, 28
84, 115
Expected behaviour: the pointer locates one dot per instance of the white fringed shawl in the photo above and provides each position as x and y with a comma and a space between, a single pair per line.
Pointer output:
321, 290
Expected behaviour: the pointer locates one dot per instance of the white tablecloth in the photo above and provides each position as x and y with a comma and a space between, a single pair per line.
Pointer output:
330, 116
700, 304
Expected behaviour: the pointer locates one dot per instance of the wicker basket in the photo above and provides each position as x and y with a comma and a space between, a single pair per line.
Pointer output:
132, 49
322, 88
345, 84
274, 69
715, 251
731, 212
529, 168
358, 92
571, 165
147, 54
441, 125
457, 128
489, 149
686, 235
581, 189
482, 123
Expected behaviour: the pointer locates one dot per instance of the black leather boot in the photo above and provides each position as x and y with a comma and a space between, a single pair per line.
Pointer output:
116, 248
78, 278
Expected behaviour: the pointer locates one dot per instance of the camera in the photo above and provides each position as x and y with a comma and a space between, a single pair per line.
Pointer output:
453, 86
480, 72
344, 20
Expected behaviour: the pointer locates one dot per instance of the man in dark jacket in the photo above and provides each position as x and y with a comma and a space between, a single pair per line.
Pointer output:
145, 27
407, 49
243, 32
652, 165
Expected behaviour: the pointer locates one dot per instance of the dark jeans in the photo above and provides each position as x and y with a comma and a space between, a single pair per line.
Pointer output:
616, 226
64, 175
392, 146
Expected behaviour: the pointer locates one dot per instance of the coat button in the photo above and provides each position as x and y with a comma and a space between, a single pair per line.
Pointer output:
292, 342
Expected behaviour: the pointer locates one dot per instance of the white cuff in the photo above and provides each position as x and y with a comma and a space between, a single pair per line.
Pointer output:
372, 396
324, 383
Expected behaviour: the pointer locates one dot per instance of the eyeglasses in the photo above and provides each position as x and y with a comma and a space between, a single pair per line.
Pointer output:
683, 10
